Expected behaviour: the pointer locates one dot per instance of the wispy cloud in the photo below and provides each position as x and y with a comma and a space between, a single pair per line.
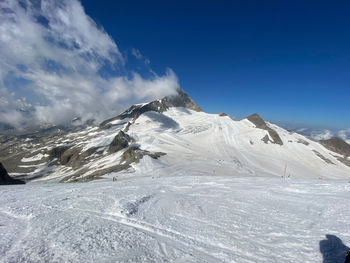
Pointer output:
345, 135
137, 54
327, 134
322, 135
52, 57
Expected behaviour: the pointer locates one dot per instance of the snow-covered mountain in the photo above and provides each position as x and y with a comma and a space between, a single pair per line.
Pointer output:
170, 135
191, 187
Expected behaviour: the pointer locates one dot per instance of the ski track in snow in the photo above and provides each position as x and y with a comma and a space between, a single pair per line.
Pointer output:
173, 219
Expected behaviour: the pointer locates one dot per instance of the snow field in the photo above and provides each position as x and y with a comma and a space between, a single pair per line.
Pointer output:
179, 218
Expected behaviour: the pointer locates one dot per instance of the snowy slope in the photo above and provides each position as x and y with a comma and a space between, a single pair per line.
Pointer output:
193, 141
176, 219
208, 143
191, 187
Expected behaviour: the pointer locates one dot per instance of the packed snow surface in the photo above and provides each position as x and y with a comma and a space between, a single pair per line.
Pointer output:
181, 218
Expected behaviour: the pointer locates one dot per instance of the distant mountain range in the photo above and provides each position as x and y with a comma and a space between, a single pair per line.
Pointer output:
168, 135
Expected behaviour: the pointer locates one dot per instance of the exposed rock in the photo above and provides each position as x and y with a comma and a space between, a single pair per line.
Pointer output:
84, 176
120, 141
222, 114
337, 145
266, 139
132, 155
303, 142
135, 154
5, 179
72, 157
57, 152
261, 124
181, 99
344, 161
322, 157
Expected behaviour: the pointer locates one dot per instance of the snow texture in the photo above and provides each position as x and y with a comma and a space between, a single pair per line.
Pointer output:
176, 219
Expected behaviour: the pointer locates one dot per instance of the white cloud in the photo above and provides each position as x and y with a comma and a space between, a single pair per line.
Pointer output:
345, 135
137, 54
322, 135
53, 53
327, 134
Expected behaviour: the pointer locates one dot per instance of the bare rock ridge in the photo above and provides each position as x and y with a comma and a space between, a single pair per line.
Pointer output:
70, 156
6, 179
181, 99
120, 141
73, 157
337, 145
132, 155
261, 124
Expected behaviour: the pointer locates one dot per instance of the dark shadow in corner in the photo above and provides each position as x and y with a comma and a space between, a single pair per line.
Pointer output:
333, 250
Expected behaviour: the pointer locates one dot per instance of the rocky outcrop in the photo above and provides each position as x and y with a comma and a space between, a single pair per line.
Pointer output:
72, 157
222, 114
303, 142
135, 154
266, 139
181, 99
322, 157
120, 141
337, 145
5, 179
57, 152
261, 124
132, 155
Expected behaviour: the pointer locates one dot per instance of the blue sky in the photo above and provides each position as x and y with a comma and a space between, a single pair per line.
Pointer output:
287, 60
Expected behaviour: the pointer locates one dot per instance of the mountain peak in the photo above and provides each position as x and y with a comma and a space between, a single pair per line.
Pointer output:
181, 99
258, 121
261, 124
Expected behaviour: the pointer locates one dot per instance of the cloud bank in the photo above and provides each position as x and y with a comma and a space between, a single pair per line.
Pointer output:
327, 134
54, 60
322, 135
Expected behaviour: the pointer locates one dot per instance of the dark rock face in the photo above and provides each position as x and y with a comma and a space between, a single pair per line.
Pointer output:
266, 139
135, 154
303, 142
182, 99
57, 152
337, 145
132, 155
120, 141
5, 179
261, 124
322, 157
222, 114
72, 157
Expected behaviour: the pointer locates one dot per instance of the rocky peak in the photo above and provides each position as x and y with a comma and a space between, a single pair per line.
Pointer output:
261, 124
181, 99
